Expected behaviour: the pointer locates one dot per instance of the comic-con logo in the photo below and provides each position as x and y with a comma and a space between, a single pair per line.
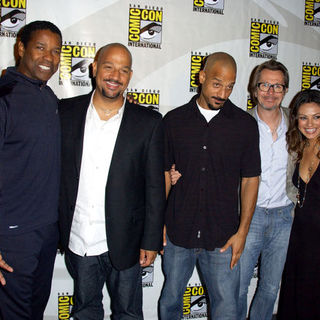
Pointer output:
65, 303
13, 17
312, 13
146, 97
145, 26
147, 276
264, 36
75, 60
250, 104
310, 76
194, 303
211, 6
196, 63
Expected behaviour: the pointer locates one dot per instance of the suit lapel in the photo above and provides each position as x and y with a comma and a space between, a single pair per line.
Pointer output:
122, 144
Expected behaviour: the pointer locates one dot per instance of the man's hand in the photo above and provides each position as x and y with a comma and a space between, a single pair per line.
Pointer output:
147, 257
174, 175
164, 238
236, 242
131, 99
5, 266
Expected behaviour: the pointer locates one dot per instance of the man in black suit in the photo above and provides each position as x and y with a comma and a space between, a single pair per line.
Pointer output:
112, 190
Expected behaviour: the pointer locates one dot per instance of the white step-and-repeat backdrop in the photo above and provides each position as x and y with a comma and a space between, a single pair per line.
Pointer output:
168, 40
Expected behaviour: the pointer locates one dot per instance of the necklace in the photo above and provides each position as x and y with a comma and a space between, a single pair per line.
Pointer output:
300, 202
108, 112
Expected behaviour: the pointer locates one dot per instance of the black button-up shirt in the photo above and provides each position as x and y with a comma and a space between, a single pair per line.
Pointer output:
203, 209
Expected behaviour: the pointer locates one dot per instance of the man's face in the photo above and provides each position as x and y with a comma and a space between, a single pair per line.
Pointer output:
112, 72
217, 85
270, 99
40, 59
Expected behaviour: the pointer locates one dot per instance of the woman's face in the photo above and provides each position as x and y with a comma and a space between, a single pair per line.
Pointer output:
309, 120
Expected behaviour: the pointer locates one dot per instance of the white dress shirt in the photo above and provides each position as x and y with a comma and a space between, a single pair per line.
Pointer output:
88, 230
274, 158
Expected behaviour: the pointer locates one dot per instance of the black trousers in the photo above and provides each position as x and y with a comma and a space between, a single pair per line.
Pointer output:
27, 289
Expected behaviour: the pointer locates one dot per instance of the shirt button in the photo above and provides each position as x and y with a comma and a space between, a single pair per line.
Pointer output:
203, 169
204, 147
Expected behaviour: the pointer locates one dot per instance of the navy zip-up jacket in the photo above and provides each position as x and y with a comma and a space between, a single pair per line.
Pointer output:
29, 154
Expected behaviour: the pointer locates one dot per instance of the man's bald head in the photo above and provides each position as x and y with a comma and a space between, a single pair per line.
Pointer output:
101, 52
112, 71
222, 58
217, 80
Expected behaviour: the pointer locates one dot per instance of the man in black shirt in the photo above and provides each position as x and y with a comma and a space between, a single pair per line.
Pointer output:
29, 174
215, 146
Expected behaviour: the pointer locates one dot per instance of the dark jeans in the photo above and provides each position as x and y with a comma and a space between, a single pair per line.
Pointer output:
90, 273
31, 255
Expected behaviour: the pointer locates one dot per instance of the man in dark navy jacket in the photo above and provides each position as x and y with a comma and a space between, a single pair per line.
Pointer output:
29, 174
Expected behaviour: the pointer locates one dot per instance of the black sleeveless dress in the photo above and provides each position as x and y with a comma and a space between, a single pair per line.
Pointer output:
300, 288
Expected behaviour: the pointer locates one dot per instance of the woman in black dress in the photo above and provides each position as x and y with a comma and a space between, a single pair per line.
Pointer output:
300, 288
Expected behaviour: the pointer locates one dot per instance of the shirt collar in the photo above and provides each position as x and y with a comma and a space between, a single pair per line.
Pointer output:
282, 125
92, 112
226, 110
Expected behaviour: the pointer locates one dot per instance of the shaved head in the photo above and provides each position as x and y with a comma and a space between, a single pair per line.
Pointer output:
105, 48
217, 80
222, 58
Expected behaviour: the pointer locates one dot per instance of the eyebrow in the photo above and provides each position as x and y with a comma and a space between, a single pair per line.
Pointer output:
304, 114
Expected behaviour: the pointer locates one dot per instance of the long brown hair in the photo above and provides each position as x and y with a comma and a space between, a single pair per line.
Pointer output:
296, 141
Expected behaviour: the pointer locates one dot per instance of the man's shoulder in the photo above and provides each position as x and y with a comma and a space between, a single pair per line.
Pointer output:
69, 103
141, 111
240, 114
6, 86
178, 112
75, 99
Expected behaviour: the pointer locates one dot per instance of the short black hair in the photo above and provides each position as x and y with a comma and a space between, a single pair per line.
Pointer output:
26, 31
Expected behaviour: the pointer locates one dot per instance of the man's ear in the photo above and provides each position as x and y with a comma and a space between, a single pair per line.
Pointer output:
202, 76
94, 68
21, 49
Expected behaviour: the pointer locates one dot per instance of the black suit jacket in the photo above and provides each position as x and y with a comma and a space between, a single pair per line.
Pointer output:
135, 192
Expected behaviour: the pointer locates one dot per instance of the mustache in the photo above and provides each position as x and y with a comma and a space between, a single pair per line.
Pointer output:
114, 81
219, 99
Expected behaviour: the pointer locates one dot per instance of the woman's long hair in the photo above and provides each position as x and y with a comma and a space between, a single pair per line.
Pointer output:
296, 141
